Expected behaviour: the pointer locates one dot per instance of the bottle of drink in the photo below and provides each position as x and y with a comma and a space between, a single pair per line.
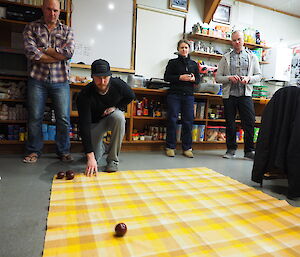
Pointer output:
145, 107
158, 110
134, 107
151, 109
139, 110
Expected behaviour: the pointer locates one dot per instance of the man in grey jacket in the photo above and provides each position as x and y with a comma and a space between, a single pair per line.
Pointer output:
238, 70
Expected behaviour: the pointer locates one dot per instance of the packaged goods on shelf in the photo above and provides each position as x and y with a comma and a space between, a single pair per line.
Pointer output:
13, 132
74, 135
208, 83
200, 110
49, 132
240, 135
215, 133
151, 133
149, 108
198, 133
12, 89
215, 111
256, 131
45, 132
260, 91
258, 53
218, 31
12, 112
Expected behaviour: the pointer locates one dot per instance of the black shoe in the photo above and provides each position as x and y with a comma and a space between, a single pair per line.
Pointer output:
111, 167
293, 197
66, 157
249, 155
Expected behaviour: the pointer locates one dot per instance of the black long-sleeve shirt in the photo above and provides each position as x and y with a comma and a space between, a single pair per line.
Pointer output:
91, 106
179, 66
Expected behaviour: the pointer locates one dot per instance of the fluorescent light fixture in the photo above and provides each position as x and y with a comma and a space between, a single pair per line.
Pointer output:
99, 27
111, 6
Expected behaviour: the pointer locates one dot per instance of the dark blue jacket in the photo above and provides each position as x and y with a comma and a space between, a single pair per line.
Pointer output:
177, 67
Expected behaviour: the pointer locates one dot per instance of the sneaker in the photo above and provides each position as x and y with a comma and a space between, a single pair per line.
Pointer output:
249, 155
170, 152
111, 167
188, 153
230, 154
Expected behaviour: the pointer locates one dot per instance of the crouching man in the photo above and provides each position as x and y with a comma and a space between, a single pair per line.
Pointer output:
100, 106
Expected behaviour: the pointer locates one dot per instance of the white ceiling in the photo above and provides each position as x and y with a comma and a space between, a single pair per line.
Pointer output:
287, 6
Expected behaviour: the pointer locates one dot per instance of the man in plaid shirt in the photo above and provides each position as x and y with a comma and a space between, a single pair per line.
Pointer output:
49, 45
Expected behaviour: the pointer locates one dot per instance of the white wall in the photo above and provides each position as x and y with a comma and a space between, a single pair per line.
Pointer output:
194, 15
161, 4
273, 26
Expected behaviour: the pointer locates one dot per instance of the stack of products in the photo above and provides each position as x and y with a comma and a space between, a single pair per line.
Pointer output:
259, 91
12, 112
15, 132
49, 132
199, 110
215, 133
153, 133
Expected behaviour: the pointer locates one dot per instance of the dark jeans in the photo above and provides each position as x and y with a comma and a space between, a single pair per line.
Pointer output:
185, 105
244, 105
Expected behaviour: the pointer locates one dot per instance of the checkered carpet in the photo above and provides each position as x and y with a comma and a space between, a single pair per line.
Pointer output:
168, 212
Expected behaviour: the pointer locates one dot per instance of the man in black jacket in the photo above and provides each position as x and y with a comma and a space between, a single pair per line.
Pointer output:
99, 107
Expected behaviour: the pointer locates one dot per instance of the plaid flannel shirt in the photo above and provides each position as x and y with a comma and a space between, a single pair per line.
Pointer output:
36, 35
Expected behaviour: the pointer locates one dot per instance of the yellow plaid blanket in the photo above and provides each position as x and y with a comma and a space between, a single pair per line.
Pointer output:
168, 212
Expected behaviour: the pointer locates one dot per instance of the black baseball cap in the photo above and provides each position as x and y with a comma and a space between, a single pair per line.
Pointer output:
100, 67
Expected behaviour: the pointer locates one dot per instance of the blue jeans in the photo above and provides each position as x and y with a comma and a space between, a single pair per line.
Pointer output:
37, 94
185, 105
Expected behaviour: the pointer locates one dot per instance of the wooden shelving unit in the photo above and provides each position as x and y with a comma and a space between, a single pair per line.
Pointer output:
222, 40
7, 27
13, 100
132, 121
206, 55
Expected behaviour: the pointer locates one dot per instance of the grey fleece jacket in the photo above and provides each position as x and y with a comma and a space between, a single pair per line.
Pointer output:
223, 73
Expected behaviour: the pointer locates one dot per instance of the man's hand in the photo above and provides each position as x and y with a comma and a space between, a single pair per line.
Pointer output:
91, 165
108, 111
245, 79
235, 79
41, 49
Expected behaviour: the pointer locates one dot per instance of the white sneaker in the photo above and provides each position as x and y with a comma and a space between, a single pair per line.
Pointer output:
230, 154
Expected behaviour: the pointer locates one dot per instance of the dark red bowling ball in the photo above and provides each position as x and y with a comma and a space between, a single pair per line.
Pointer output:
70, 174
120, 229
60, 175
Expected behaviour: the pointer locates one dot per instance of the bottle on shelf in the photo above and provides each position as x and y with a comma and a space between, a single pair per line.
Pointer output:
145, 107
139, 109
157, 112
134, 105
151, 109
